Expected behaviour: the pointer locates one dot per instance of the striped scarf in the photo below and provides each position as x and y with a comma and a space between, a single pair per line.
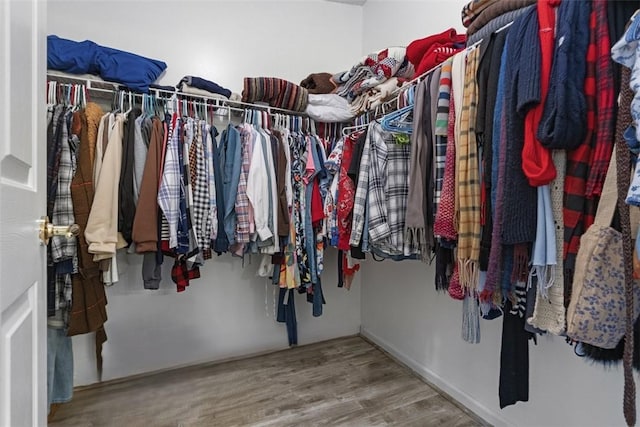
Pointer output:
473, 9
468, 180
441, 124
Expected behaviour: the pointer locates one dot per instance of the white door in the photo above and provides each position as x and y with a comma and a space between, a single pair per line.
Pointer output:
23, 379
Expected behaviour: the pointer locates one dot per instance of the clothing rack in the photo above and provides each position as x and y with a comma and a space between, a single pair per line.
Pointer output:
107, 87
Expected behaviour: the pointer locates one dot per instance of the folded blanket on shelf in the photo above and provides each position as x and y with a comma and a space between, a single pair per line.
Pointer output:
430, 51
319, 83
494, 10
376, 96
188, 83
276, 92
474, 8
86, 57
328, 108
372, 70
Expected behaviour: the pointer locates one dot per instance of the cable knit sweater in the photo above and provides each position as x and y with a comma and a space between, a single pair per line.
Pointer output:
521, 91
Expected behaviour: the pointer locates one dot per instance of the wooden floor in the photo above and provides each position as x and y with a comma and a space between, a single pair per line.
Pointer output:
345, 381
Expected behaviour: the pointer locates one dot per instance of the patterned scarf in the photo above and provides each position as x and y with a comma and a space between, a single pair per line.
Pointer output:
444, 226
468, 181
441, 124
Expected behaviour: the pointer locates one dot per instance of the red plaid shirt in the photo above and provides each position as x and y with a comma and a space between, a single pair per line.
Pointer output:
578, 214
601, 154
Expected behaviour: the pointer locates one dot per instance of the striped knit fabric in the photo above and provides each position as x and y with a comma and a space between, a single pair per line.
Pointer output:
473, 9
444, 95
495, 10
276, 92
440, 130
469, 232
444, 225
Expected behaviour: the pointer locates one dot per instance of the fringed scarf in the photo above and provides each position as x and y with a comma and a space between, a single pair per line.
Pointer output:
417, 235
544, 248
444, 228
469, 230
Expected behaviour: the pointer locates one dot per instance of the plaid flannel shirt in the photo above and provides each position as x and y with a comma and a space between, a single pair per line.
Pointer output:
200, 188
397, 194
62, 248
54, 149
577, 213
213, 212
169, 191
603, 146
360, 201
187, 237
243, 226
378, 215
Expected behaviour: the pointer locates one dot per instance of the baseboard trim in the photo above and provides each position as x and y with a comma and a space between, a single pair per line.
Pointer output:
198, 364
464, 400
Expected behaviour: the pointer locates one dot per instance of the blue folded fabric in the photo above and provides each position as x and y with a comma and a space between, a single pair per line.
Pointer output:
209, 86
86, 57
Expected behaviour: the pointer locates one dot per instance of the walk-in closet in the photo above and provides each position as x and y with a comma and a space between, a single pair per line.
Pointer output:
319, 212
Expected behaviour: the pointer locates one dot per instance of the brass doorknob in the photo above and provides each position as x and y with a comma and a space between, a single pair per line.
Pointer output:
48, 230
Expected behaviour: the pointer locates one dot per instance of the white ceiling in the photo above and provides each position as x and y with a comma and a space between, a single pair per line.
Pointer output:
356, 2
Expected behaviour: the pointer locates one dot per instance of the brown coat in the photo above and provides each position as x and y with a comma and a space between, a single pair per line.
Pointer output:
281, 178
145, 222
89, 301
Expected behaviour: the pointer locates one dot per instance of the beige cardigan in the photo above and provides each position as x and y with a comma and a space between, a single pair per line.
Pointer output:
102, 227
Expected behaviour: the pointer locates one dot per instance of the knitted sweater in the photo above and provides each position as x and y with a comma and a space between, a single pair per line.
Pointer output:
495, 24
488, 79
549, 312
520, 92
564, 122
494, 10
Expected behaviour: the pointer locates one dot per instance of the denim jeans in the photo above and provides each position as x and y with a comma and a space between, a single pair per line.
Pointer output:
59, 366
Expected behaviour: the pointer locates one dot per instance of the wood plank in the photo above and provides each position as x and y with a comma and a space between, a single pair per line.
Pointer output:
345, 381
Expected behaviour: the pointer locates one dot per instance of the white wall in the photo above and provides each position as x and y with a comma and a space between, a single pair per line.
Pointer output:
220, 40
399, 22
228, 312
402, 312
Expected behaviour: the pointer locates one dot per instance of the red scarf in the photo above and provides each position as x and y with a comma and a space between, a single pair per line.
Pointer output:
537, 163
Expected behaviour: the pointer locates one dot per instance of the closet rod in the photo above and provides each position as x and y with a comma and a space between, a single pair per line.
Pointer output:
505, 26
95, 85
